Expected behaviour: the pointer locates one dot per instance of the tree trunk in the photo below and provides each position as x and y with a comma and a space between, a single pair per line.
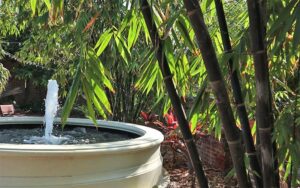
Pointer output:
175, 100
263, 94
217, 83
237, 93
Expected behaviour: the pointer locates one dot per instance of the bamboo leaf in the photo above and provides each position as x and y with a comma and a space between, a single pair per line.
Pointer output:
122, 48
81, 23
91, 86
99, 107
206, 4
284, 14
103, 41
157, 102
33, 6
253, 130
97, 71
48, 4
167, 105
146, 32
91, 22
194, 121
99, 80
198, 100
157, 14
89, 98
71, 96
288, 168
125, 22
170, 22
182, 28
185, 65
169, 52
100, 93
285, 86
281, 35
61, 5
152, 79
134, 31
144, 75
285, 118
147, 68
195, 62
95, 61
296, 165
96, 80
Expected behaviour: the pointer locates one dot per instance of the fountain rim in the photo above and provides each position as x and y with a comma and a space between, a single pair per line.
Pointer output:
148, 138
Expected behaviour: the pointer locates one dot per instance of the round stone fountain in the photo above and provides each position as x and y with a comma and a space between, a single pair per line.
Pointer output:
129, 163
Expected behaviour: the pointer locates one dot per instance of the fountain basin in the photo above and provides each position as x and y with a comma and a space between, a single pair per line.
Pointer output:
128, 164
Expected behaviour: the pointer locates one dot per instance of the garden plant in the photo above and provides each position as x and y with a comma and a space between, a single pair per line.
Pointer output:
210, 63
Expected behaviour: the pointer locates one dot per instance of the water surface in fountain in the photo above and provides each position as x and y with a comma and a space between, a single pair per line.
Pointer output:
33, 134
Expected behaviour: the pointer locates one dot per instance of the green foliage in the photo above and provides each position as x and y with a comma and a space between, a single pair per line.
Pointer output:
4, 75
288, 154
102, 51
72, 94
91, 74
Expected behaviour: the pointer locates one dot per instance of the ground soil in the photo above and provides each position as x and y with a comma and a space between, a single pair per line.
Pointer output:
182, 177
181, 174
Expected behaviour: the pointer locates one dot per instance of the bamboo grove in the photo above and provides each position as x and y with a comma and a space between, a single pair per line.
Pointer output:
229, 66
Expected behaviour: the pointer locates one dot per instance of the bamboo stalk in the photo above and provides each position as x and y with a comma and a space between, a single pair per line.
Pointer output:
217, 83
237, 93
263, 94
276, 181
175, 100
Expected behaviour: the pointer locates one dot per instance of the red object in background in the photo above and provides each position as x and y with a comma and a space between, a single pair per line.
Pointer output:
91, 22
148, 117
152, 120
171, 119
144, 115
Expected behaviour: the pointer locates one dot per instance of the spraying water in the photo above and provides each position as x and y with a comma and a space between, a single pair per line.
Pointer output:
74, 136
51, 105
